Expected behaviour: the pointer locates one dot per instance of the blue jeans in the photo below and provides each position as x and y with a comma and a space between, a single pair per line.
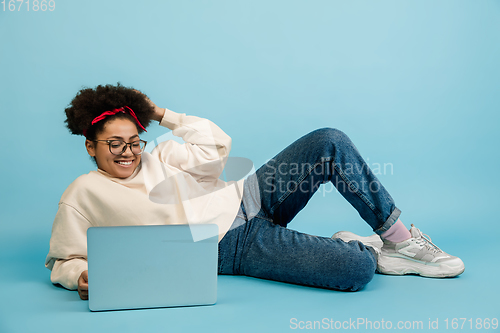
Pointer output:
259, 244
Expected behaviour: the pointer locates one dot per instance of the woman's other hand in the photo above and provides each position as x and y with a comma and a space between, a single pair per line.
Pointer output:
83, 285
159, 112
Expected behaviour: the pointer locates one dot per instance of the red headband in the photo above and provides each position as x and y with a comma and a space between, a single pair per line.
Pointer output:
123, 109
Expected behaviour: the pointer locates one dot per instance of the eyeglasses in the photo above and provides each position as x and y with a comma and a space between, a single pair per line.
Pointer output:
118, 147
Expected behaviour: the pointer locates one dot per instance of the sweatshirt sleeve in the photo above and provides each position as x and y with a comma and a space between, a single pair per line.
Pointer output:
206, 147
67, 257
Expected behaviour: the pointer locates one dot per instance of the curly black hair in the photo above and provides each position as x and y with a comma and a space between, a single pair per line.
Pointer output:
90, 103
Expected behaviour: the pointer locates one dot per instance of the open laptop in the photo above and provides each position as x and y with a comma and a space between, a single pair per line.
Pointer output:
132, 267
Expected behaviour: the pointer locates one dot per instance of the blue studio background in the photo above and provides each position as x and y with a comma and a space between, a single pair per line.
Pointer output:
415, 84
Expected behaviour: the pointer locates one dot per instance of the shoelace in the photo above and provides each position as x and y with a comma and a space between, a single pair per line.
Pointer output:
426, 241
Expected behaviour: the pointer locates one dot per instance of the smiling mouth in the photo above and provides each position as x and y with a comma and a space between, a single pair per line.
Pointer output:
124, 163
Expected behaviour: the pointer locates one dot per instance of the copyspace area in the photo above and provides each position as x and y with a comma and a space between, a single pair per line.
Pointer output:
415, 85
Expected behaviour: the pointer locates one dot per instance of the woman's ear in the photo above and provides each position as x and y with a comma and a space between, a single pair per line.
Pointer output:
90, 147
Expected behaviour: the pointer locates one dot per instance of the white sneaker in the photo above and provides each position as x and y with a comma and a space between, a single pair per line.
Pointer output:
417, 255
374, 240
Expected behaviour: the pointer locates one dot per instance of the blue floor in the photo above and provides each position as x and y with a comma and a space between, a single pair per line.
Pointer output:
30, 303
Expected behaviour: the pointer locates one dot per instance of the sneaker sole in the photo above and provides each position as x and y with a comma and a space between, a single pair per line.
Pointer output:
373, 240
402, 266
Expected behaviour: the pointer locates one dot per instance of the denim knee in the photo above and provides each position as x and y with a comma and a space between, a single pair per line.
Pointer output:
359, 268
335, 136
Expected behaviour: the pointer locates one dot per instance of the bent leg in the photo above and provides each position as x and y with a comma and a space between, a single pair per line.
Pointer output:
288, 181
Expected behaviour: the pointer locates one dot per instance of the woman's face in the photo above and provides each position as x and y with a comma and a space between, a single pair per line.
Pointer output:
119, 166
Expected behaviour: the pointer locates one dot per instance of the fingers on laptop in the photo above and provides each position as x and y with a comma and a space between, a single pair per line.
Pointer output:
83, 285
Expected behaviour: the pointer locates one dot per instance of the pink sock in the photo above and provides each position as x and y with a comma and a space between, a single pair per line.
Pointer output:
396, 233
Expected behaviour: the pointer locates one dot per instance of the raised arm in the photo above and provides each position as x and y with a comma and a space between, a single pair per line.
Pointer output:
206, 147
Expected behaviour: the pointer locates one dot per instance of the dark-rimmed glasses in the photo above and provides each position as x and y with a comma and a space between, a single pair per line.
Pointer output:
118, 147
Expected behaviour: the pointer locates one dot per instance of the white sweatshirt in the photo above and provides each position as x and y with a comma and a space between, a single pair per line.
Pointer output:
190, 191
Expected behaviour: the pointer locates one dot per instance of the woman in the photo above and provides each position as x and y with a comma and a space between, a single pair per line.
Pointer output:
251, 213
